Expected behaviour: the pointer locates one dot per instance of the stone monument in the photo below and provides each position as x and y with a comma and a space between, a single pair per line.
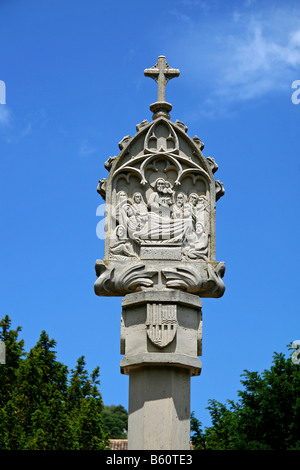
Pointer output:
160, 197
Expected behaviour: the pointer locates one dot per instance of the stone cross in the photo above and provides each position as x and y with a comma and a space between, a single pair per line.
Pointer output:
159, 255
161, 73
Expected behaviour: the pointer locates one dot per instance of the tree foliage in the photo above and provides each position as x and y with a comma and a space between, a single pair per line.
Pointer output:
115, 421
42, 406
266, 415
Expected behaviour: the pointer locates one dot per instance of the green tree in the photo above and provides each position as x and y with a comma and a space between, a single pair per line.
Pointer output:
8, 378
14, 353
266, 415
41, 407
115, 421
86, 407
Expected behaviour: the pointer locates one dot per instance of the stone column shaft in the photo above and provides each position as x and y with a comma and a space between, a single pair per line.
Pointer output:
161, 335
159, 409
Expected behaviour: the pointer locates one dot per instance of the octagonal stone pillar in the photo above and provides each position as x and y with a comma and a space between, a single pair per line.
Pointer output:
161, 337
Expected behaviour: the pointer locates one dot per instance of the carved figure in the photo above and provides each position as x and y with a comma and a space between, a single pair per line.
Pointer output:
132, 222
202, 212
120, 215
161, 199
121, 247
193, 200
140, 209
197, 247
177, 208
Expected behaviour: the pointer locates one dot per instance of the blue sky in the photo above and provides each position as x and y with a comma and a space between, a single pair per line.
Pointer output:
75, 87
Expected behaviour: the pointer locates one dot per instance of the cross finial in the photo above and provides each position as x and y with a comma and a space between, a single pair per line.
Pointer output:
161, 73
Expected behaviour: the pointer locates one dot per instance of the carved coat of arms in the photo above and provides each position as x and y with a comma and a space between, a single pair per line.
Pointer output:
161, 324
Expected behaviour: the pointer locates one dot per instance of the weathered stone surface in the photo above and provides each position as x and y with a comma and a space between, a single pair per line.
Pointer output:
182, 361
198, 277
155, 321
160, 197
159, 409
161, 73
160, 206
161, 337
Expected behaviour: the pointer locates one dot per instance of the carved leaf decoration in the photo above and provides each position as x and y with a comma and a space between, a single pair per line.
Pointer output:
99, 267
134, 276
201, 279
220, 190
101, 188
183, 278
212, 163
214, 285
120, 280
104, 284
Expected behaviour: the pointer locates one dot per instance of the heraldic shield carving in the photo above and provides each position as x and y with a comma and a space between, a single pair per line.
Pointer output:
161, 323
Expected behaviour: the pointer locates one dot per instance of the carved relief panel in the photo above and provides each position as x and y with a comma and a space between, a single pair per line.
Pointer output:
160, 214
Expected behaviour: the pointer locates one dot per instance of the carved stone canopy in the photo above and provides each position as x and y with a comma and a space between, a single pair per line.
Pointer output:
160, 197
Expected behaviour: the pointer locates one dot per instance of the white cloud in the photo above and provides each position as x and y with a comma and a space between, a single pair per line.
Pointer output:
27, 129
13, 129
258, 64
86, 148
248, 3
202, 4
242, 54
5, 115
